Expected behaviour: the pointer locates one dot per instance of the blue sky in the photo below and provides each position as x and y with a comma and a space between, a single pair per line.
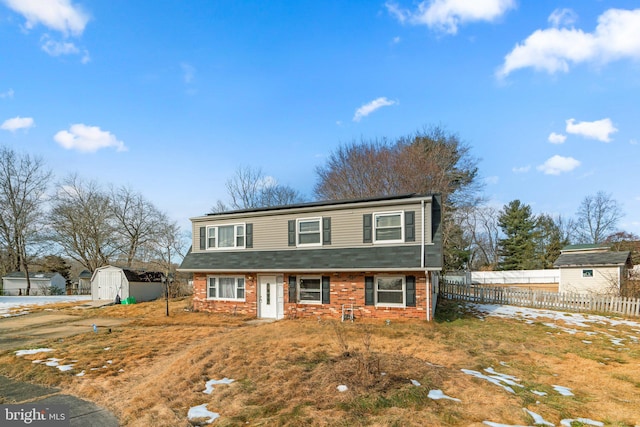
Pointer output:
171, 97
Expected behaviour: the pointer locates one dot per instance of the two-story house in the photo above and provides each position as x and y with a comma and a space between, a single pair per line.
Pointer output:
374, 257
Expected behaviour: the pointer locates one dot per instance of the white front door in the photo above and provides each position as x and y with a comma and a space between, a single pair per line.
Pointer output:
268, 297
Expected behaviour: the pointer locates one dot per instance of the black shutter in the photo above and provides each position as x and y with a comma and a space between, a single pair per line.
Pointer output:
411, 291
203, 238
292, 232
248, 243
325, 290
366, 228
326, 231
410, 226
292, 289
368, 291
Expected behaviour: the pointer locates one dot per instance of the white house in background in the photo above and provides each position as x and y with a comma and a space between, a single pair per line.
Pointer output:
41, 284
109, 281
592, 269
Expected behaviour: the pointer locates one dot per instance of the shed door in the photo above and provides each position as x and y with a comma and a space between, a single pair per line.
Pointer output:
109, 284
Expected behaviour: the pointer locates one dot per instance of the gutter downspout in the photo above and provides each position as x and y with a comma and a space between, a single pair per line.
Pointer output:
426, 273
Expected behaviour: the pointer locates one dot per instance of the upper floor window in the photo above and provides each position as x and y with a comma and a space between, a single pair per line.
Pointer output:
388, 227
226, 236
587, 273
309, 231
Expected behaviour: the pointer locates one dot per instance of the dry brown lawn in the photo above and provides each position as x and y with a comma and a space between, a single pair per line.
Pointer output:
152, 370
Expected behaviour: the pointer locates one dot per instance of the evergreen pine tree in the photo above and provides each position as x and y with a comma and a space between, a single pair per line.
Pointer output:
517, 248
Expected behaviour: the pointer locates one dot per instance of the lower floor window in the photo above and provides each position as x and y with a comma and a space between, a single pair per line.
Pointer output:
390, 291
310, 290
225, 288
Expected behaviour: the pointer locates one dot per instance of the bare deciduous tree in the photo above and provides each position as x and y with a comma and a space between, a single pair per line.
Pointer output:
597, 217
481, 225
430, 161
82, 222
23, 184
251, 188
137, 222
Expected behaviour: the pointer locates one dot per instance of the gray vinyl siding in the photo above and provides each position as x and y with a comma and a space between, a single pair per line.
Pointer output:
270, 231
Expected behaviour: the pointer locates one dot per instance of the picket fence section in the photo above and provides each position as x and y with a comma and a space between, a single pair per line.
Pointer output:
540, 299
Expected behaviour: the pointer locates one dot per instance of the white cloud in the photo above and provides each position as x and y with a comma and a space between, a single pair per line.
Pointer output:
7, 94
372, 106
558, 164
17, 123
188, 72
562, 18
87, 139
56, 48
599, 129
557, 138
447, 15
396, 40
617, 36
59, 15
522, 169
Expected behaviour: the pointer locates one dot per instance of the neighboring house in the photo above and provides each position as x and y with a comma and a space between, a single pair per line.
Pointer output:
377, 256
83, 285
109, 281
41, 284
592, 269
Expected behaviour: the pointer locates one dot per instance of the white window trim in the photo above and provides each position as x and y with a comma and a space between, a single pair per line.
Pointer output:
235, 237
298, 221
301, 279
373, 227
386, 304
235, 289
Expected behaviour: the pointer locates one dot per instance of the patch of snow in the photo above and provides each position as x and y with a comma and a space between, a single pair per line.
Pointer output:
567, 422
81, 374
587, 342
201, 411
32, 351
209, 384
565, 391
617, 341
438, 394
342, 388
110, 361
52, 361
509, 379
415, 383
537, 419
8, 303
37, 361
539, 393
492, 380
107, 348
65, 368
573, 319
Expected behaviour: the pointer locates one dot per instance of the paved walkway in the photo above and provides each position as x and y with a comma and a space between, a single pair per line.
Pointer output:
81, 412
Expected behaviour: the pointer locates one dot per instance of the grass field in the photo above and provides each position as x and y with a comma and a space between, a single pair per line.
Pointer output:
154, 369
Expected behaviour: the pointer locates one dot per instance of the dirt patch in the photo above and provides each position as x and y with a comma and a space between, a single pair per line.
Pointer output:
27, 330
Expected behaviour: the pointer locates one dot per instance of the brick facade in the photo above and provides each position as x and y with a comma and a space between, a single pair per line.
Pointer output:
345, 289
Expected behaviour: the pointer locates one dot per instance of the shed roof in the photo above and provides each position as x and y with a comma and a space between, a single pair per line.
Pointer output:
583, 259
32, 275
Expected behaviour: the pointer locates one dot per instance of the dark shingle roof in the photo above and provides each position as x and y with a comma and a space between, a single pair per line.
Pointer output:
592, 259
142, 276
370, 258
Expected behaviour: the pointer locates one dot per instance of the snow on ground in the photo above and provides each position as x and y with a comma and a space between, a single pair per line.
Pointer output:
209, 384
201, 411
438, 394
573, 319
11, 303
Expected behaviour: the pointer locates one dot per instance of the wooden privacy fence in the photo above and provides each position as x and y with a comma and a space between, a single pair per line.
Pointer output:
540, 299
